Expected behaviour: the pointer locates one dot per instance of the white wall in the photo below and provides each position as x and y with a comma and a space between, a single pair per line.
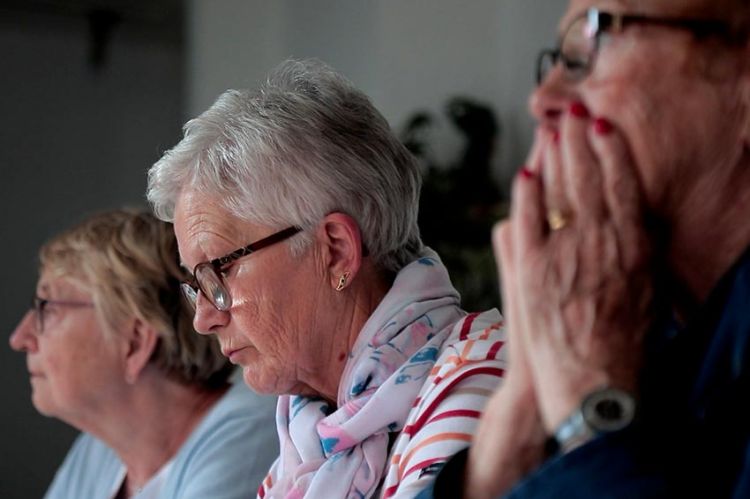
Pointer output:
405, 54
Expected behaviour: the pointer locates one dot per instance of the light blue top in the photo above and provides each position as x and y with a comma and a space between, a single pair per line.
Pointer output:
226, 456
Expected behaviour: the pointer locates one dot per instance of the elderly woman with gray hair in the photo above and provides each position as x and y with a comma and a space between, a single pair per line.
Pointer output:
111, 351
342, 311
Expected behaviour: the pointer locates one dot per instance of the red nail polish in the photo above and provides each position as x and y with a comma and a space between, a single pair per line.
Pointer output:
602, 126
578, 110
525, 173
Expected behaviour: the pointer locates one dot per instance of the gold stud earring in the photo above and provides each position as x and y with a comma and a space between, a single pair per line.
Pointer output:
342, 281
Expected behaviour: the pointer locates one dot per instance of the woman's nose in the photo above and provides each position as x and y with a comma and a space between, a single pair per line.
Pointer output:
24, 336
552, 97
207, 318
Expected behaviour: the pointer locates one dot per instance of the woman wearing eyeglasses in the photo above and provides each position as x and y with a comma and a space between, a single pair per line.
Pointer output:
111, 351
295, 210
626, 265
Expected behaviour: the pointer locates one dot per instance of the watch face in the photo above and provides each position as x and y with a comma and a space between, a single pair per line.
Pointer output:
608, 409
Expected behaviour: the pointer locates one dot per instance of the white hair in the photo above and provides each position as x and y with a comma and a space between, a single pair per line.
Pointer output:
305, 144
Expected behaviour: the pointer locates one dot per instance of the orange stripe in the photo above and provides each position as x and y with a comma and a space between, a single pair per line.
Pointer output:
440, 437
467, 349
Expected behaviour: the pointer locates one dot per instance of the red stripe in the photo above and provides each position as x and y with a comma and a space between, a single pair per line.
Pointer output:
467, 325
261, 491
457, 413
492, 353
465, 413
419, 423
390, 491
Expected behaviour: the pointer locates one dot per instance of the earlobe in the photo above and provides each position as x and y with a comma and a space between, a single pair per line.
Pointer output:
142, 340
342, 245
342, 281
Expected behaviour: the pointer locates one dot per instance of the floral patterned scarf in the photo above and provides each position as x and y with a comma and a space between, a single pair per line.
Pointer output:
342, 452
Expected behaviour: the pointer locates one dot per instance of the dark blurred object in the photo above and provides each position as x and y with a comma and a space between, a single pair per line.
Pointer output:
101, 24
103, 17
460, 200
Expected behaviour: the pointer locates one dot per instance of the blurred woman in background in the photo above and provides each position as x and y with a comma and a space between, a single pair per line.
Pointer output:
111, 351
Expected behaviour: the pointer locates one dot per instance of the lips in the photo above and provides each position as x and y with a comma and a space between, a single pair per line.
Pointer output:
231, 354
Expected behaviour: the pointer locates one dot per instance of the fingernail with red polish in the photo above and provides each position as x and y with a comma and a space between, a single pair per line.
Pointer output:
525, 173
578, 110
602, 126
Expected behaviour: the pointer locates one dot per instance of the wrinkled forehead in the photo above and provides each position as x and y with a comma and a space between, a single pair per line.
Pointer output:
196, 212
206, 229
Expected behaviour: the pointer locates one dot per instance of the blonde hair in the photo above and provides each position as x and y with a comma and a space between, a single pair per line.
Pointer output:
129, 262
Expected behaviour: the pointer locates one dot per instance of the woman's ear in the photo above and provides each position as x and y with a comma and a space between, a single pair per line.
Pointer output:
341, 245
141, 343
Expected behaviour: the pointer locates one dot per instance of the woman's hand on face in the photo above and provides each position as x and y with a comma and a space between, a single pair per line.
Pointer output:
581, 262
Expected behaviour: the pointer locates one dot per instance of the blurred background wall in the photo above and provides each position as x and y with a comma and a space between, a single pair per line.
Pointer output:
93, 91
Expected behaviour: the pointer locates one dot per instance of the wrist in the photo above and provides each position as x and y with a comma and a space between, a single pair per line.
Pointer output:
604, 410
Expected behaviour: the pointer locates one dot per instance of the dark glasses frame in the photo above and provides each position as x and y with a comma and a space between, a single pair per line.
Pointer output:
207, 276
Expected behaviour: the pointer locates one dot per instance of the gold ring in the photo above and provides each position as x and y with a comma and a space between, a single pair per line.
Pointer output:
556, 220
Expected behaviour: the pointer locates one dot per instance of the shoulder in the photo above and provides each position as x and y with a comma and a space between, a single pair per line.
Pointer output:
477, 338
469, 367
89, 470
228, 454
470, 364
239, 419
242, 402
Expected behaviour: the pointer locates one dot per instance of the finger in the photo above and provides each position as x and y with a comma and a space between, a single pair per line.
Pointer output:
534, 159
581, 171
622, 192
555, 197
502, 240
527, 212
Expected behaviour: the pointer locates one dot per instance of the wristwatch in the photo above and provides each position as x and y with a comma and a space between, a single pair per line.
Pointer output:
604, 410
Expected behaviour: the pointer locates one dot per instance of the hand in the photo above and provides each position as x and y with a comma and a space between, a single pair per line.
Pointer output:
585, 290
510, 438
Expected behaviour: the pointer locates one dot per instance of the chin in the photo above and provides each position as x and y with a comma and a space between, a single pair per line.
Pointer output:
265, 384
42, 407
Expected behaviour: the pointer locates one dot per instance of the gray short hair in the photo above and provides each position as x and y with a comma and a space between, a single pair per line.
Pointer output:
305, 144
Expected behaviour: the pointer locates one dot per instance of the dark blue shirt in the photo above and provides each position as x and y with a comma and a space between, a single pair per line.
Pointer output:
691, 438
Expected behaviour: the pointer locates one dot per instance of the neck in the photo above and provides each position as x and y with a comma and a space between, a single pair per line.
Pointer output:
708, 234
150, 424
349, 310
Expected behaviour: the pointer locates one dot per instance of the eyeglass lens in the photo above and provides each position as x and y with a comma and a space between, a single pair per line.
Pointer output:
212, 287
576, 50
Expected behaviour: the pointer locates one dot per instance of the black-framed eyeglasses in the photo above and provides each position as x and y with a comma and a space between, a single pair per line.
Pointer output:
579, 44
39, 305
208, 279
